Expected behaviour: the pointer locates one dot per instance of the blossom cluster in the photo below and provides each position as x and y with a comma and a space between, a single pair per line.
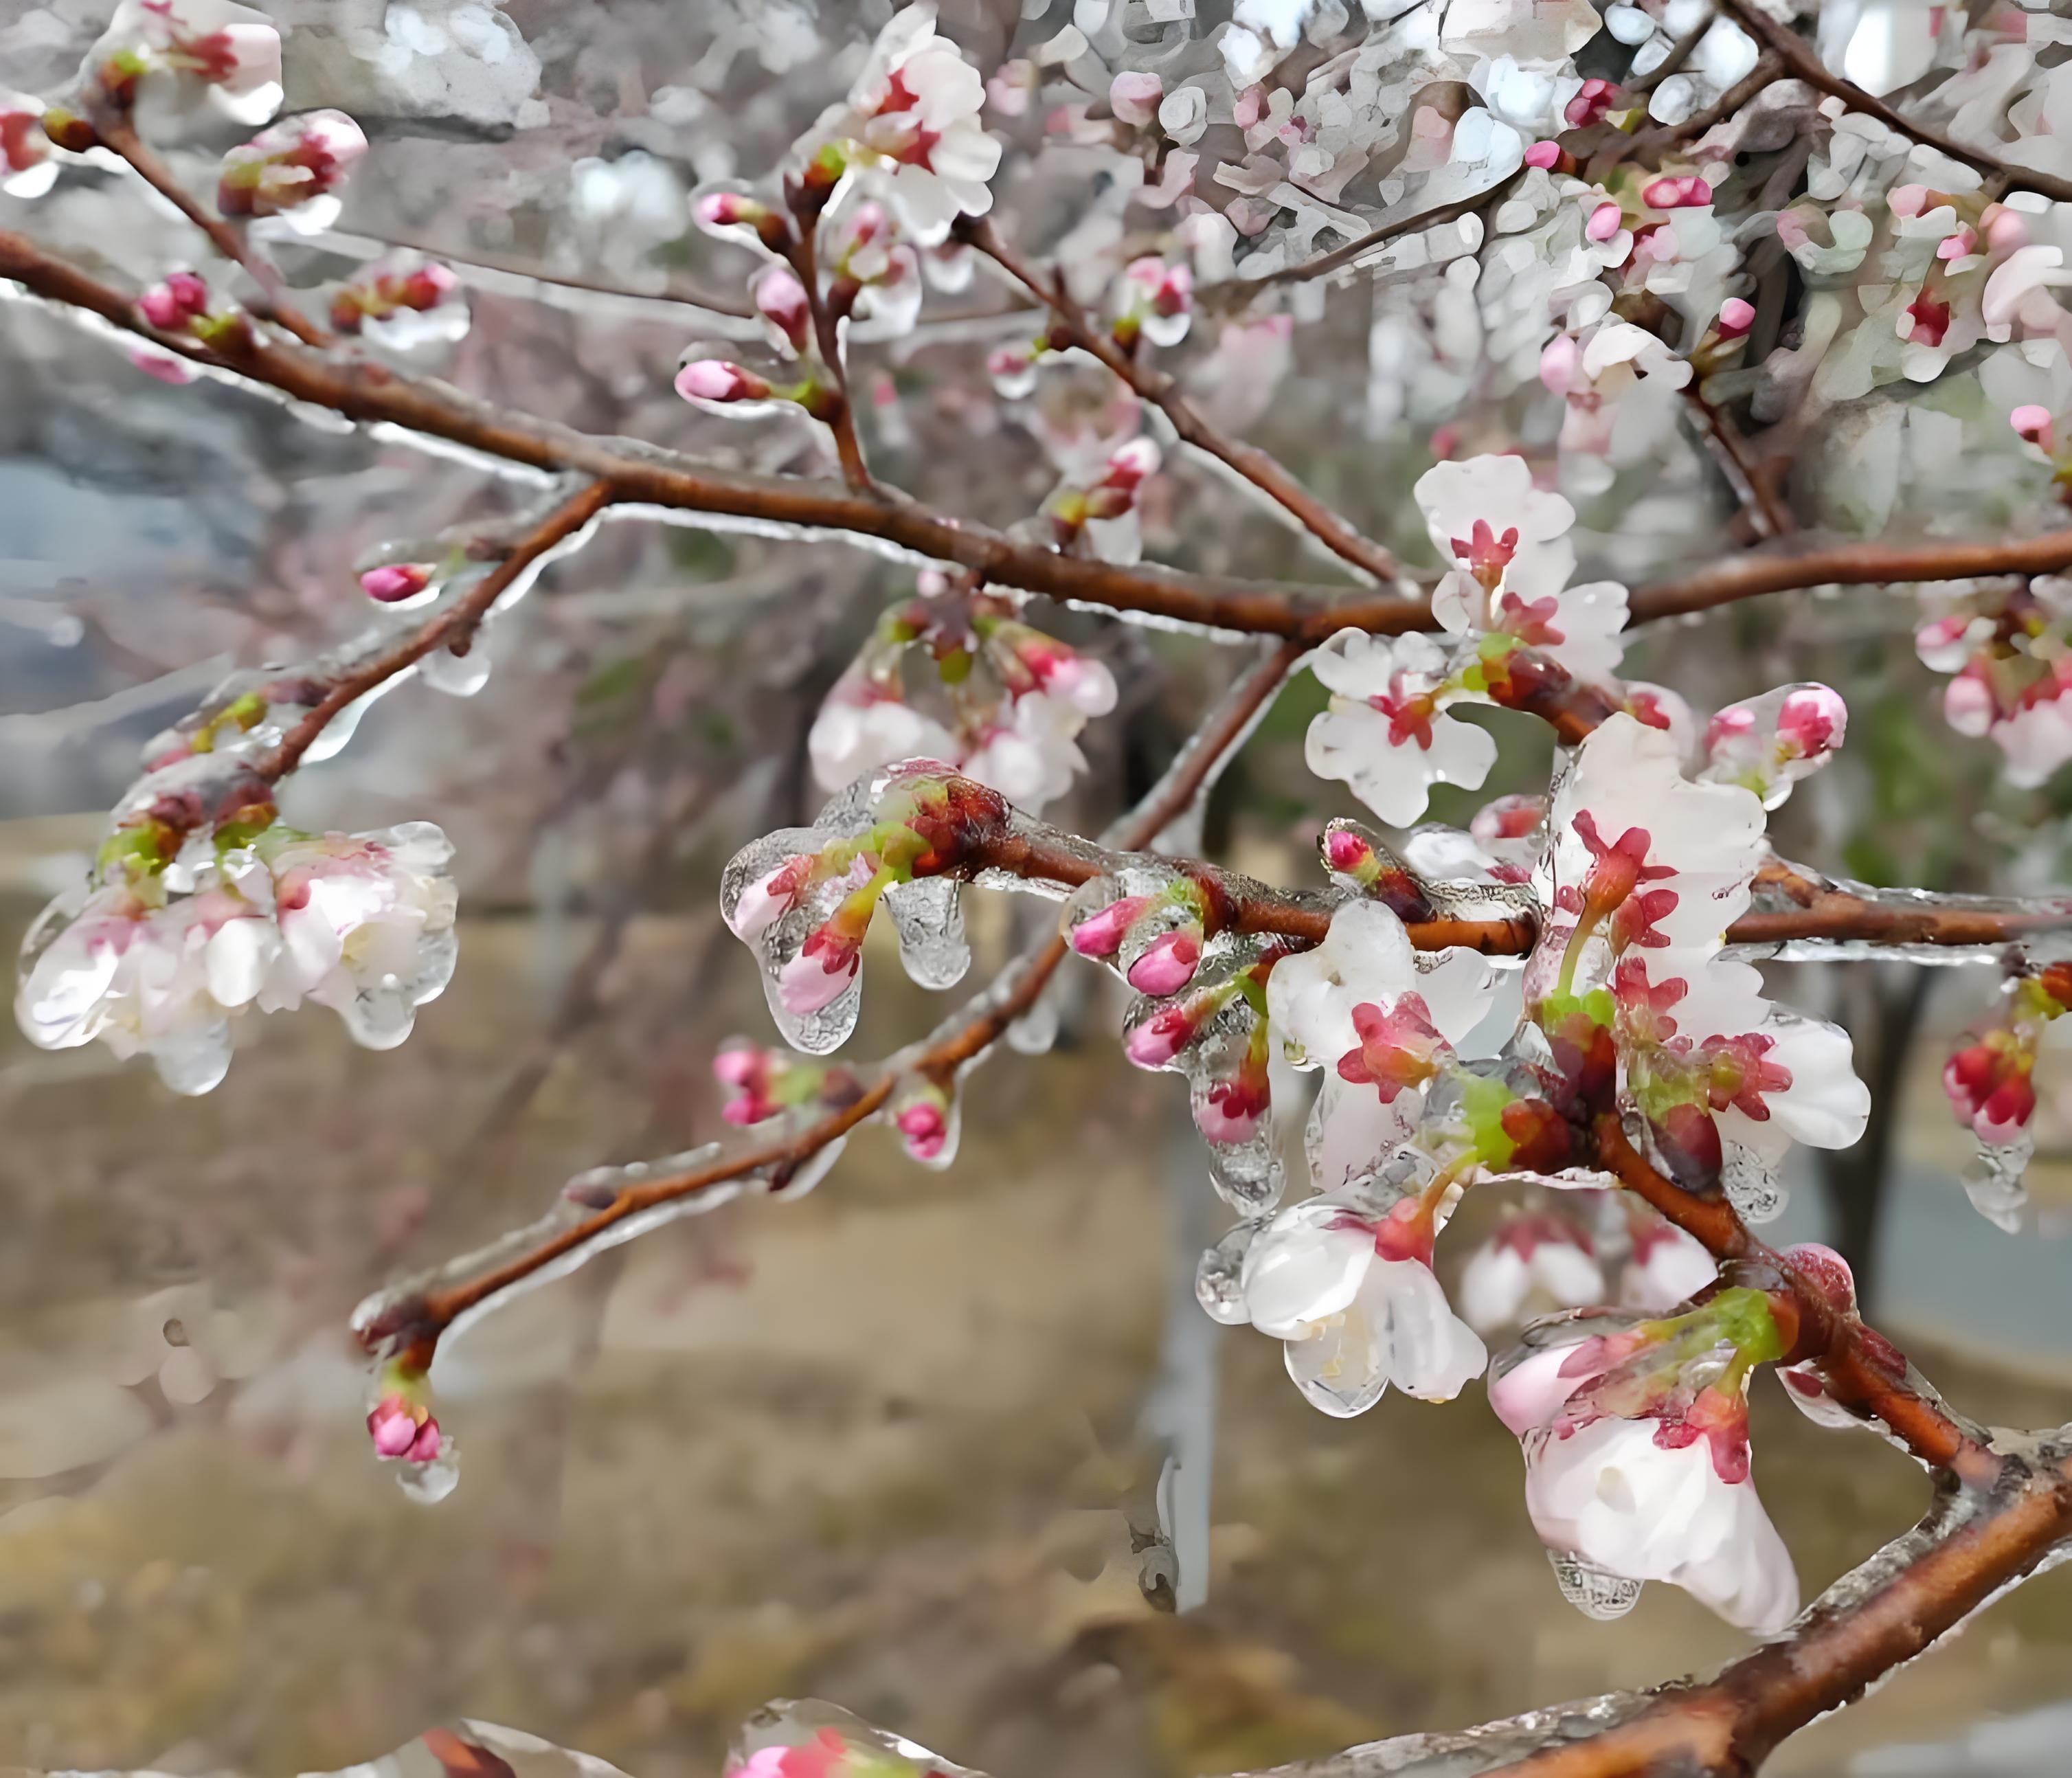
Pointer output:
1003, 703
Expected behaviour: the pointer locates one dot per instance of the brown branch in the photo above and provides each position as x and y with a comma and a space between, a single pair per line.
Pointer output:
1238, 290
640, 473
1850, 565
414, 1323
826, 335
1803, 61
1163, 392
453, 627
226, 237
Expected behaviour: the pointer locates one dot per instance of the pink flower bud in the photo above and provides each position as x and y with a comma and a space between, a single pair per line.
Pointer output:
1828, 1272
1588, 106
1813, 720
818, 976
1546, 153
2032, 423
1959, 245
780, 299
1101, 934
1735, 318
396, 580
1159, 1039
1604, 222
924, 1128
1674, 191
715, 380
1967, 705
1908, 201
1133, 97
1167, 965
728, 210
1346, 851
400, 1430
170, 305
2006, 230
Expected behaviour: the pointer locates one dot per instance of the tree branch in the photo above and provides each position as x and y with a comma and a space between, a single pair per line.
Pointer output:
226, 237
412, 1319
1163, 392
1800, 59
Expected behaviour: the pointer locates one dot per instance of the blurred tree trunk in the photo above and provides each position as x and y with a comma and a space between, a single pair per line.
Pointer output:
1881, 1005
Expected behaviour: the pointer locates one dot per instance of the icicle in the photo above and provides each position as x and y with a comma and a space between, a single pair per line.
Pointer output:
1219, 1277
1993, 1180
930, 925
1752, 1185
457, 675
1593, 1591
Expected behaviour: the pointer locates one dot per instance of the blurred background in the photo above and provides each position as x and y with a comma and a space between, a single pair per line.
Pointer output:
886, 1445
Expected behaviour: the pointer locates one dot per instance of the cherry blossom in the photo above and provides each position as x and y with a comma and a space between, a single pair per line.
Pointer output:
1534, 1263
1667, 1267
1379, 1018
170, 57
1767, 744
1354, 1298
1637, 1455
28, 161
1386, 734
292, 170
911, 122
402, 302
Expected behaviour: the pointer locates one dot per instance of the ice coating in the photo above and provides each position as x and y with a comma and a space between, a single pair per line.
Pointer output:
1597, 1594
1752, 1185
930, 925
1219, 1277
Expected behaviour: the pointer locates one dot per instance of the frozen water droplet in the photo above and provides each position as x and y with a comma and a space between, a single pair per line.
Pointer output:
1247, 1175
457, 675
808, 1173
1035, 1032
1219, 1277
1752, 1185
930, 925
195, 1062
429, 1483
1993, 1181
1594, 1592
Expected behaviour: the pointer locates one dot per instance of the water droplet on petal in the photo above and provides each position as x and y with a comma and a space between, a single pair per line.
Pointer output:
1219, 1277
1594, 1592
1993, 1181
457, 675
930, 925
1752, 1185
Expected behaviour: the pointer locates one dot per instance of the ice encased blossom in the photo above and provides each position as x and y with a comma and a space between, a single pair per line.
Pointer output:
292, 170
1767, 744
28, 159
911, 120
362, 923
1666, 1268
1386, 734
1353, 1321
1368, 990
169, 59
1615, 1495
857, 732
1530, 1260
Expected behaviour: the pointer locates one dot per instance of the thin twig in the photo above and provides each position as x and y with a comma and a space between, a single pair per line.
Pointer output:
826, 335
417, 1323
1803, 61
226, 237
1255, 466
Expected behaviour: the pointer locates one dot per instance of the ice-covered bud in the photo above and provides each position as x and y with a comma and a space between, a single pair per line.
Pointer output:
2006, 232
170, 305
1907, 201
1133, 96
212, 52
1736, 316
1116, 492
770, 897
751, 1071
1676, 191
822, 971
1346, 852
1167, 965
1010, 87
1101, 934
396, 580
1162, 1036
292, 169
1606, 221
1155, 300
780, 299
1590, 103
1812, 720
924, 1126
1229, 1112
27, 169
2032, 422
1545, 154
715, 380
1968, 704
404, 1430
1989, 1087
